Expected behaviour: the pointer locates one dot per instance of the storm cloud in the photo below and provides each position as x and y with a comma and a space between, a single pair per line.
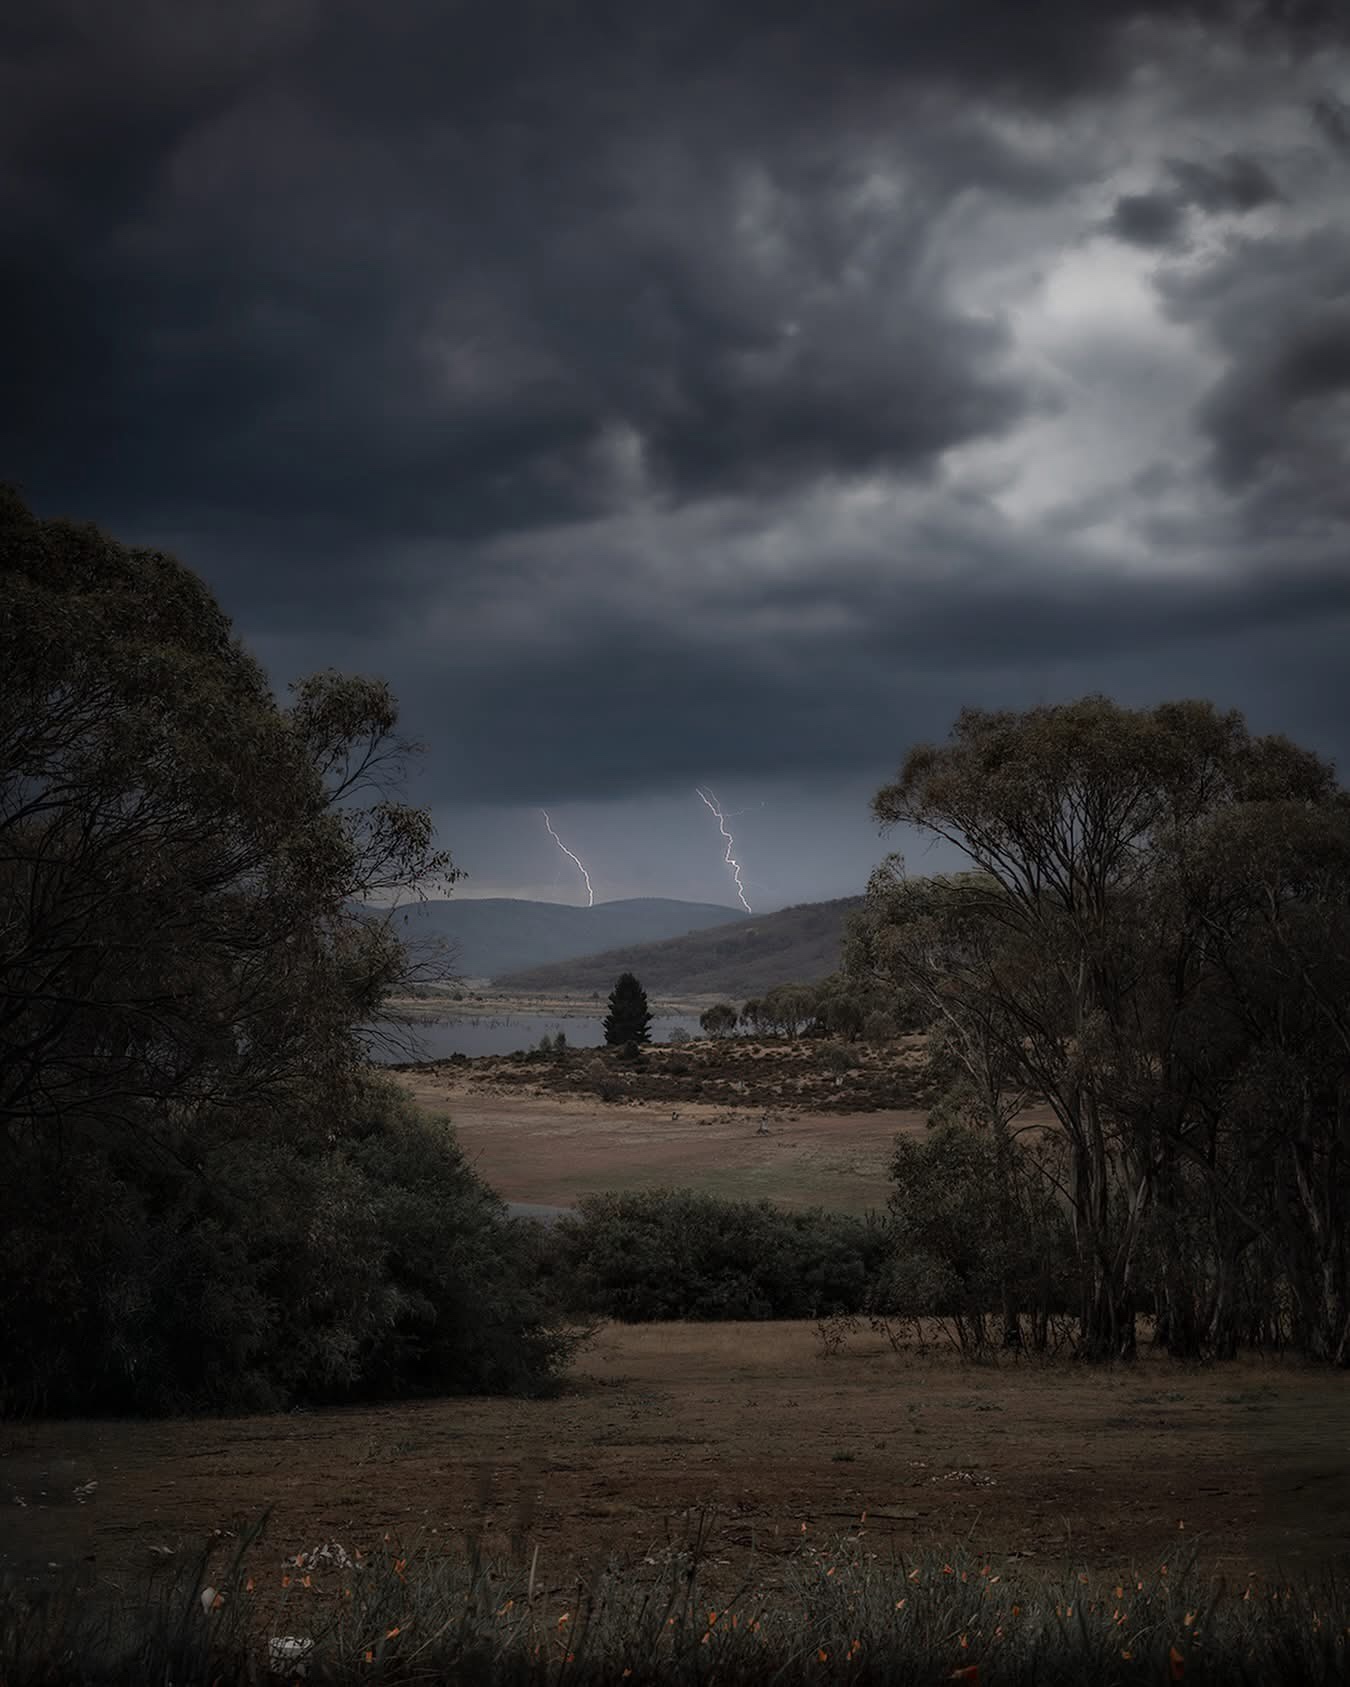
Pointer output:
669, 394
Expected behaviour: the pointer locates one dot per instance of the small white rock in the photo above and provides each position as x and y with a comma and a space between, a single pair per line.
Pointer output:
287, 1653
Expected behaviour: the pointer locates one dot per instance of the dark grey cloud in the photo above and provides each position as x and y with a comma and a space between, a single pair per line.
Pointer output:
1234, 183
1148, 219
652, 392
1332, 117
619, 704
407, 270
1279, 310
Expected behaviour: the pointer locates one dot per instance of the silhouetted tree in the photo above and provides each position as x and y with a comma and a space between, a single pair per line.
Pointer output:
629, 1016
1154, 941
190, 1134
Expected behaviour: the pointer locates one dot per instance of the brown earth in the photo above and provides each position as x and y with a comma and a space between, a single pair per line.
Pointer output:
740, 1119
1106, 1470
551, 1149
1103, 1469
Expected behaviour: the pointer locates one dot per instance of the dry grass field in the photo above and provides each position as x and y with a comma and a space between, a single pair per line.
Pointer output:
540, 1133
751, 1426
550, 1149
1059, 1465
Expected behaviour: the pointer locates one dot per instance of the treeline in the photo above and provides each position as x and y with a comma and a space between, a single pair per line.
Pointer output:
1153, 942
207, 1200
838, 1006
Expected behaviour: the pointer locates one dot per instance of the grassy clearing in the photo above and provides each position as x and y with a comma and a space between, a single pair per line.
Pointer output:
844, 1612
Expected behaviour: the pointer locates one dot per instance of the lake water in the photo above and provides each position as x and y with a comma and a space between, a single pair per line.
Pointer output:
475, 1034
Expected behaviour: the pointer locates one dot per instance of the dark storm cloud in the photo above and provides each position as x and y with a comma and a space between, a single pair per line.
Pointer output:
1234, 184
619, 707
289, 263
1279, 310
1332, 117
1147, 219
388, 318
301, 320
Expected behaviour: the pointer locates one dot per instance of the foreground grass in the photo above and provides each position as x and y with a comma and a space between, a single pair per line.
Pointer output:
844, 1613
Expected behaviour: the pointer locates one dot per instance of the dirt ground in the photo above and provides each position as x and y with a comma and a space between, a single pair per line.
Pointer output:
1059, 1464
550, 1149
537, 1139
1105, 1470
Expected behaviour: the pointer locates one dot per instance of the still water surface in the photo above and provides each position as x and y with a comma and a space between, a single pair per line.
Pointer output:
475, 1034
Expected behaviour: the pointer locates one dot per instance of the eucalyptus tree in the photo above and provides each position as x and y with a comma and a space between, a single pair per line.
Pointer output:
1079, 963
182, 860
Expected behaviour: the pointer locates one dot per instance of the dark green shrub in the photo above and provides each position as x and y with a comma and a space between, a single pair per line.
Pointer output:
672, 1253
371, 1263
978, 1233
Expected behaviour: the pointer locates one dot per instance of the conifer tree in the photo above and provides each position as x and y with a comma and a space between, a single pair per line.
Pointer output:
629, 1017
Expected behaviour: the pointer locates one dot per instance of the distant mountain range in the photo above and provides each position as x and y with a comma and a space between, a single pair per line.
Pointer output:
489, 936
794, 946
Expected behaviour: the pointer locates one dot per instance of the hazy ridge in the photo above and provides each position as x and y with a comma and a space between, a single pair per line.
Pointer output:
492, 935
797, 945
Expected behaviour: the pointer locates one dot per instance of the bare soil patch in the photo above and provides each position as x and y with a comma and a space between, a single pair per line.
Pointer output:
727, 1118
550, 1149
1061, 1465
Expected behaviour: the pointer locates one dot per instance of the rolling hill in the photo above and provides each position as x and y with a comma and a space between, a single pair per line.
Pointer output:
796, 945
492, 935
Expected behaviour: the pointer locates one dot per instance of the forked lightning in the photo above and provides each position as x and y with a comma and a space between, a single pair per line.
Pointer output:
590, 894
732, 862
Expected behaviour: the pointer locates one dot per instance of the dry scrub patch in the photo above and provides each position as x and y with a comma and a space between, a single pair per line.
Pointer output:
777, 1072
1064, 1465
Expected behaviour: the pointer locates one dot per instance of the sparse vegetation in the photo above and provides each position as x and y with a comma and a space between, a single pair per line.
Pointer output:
836, 1611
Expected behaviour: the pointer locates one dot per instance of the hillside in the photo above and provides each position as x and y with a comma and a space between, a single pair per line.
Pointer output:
795, 945
492, 935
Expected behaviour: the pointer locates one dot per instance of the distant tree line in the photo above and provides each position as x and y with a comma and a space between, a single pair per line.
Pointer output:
837, 1006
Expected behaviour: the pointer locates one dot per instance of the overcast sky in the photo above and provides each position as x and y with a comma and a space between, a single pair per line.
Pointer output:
701, 393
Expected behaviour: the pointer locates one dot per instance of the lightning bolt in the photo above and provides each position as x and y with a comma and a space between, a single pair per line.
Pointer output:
590, 894
732, 862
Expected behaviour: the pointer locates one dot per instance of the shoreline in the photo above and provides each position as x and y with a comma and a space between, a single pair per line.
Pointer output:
484, 1004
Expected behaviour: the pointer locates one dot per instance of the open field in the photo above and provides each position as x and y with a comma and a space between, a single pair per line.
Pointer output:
740, 1119
1063, 1466
550, 1149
